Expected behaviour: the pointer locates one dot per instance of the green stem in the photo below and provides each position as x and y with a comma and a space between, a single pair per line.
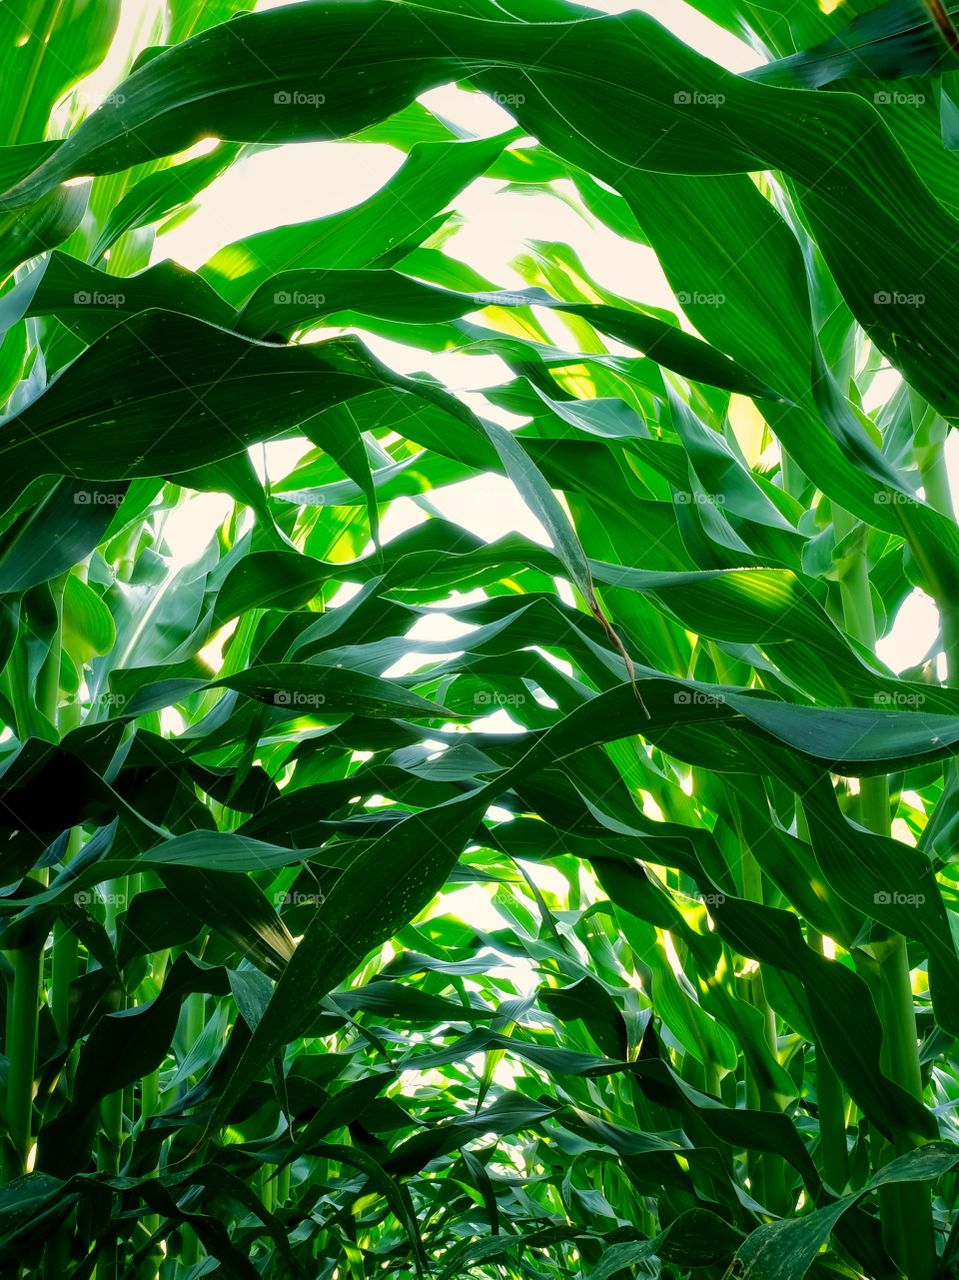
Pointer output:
111, 1108
23, 1006
906, 1208
935, 482
900, 1024
831, 1098
712, 1080
111, 1261
195, 1019
794, 481
64, 974
910, 1235
768, 1169
268, 1188
56, 1254
194, 1025
23, 1011
111, 1116
150, 1084
149, 1106
282, 1186
935, 479
830, 1093
65, 944
149, 1095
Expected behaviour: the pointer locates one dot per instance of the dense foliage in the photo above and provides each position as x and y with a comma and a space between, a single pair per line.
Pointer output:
426, 905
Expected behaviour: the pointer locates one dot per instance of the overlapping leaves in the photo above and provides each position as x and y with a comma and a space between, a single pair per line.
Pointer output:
232, 791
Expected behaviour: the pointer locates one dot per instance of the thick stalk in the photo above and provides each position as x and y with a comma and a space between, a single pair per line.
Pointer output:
282, 1185
149, 1106
268, 1188
65, 963
769, 1168
23, 1007
23, 1010
150, 1084
906, 1208
767, 1172
195, 1019
793, 480
831, 1098
63, 972
830, 1092
935, 479
712, 1080
193, 1029
111, 1108
935, 482
65, 946
111, 1261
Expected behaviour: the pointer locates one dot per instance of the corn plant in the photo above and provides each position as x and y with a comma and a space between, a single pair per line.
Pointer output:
428, 904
